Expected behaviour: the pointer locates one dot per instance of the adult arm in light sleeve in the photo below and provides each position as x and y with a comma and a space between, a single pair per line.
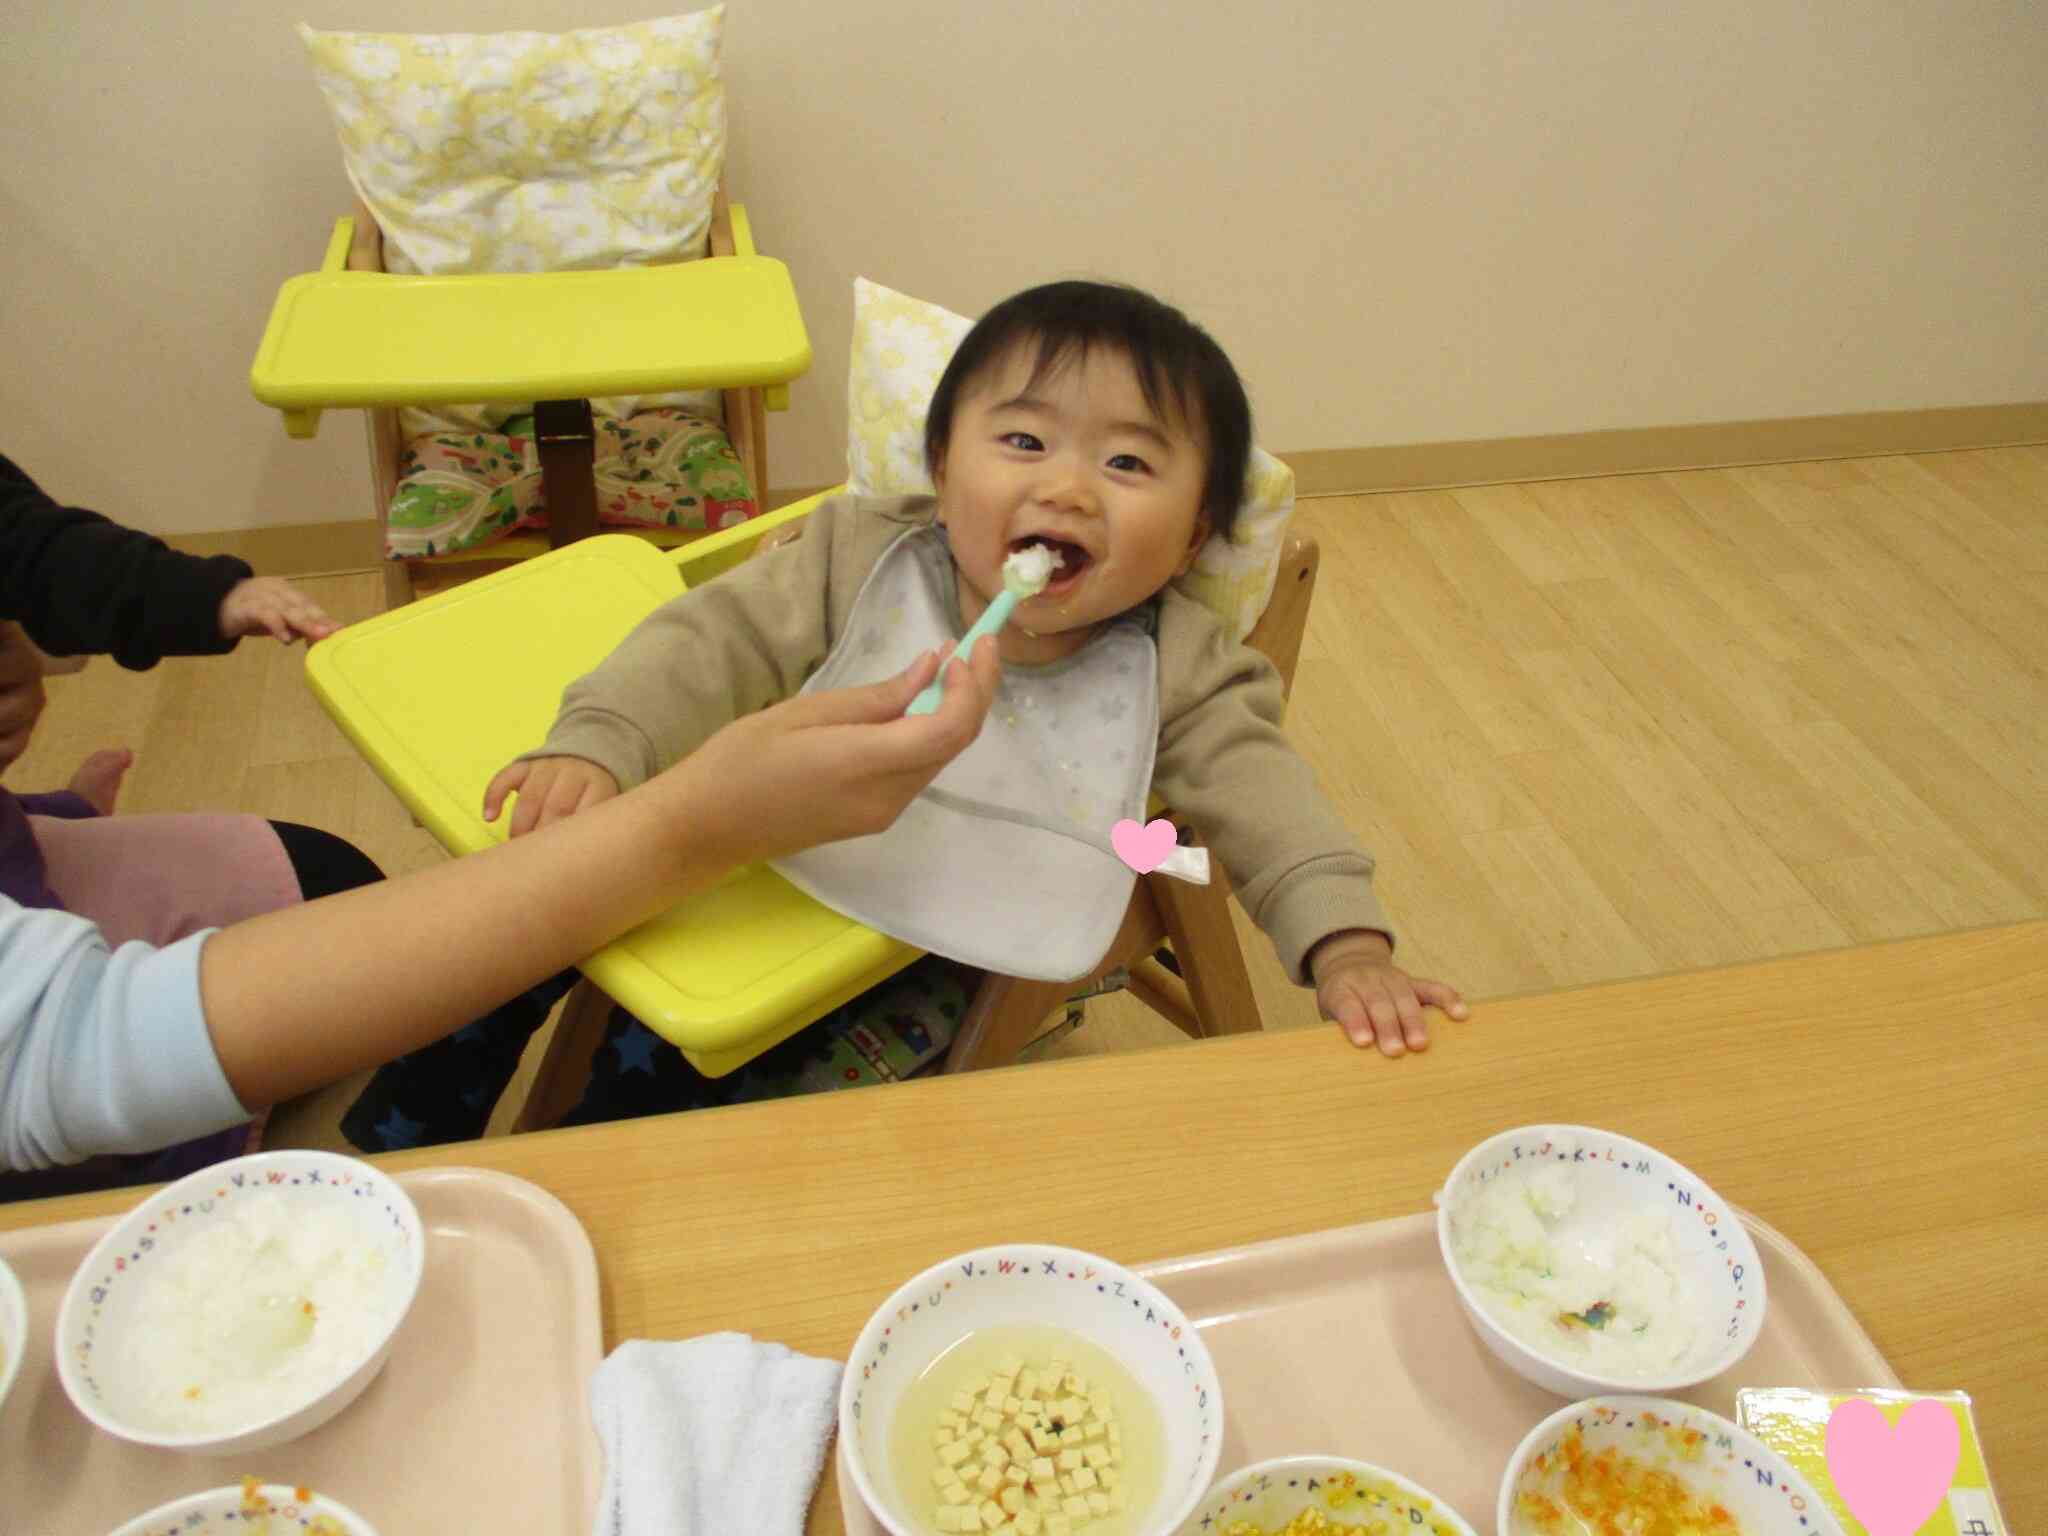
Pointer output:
101, 1049
136, 1049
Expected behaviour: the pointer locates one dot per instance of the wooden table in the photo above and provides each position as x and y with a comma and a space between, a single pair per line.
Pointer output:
1883, 1107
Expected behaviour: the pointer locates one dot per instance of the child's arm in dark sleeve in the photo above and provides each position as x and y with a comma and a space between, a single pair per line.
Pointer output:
80, 583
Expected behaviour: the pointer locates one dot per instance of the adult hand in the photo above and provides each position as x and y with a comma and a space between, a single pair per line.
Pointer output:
825, 766
21, 691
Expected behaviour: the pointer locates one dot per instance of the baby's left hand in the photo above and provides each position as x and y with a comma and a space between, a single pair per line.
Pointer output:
1373, 999
272, 604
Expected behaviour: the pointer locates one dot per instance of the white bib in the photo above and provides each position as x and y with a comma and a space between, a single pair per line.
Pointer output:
1005, 861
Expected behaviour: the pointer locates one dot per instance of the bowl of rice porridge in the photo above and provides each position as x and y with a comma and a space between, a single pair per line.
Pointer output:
244, 1305
1590, 1263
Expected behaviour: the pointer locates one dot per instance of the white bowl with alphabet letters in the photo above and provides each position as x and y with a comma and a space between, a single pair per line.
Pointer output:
1590, 1263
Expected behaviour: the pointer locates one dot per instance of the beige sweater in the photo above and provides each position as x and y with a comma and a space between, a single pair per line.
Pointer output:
751, 637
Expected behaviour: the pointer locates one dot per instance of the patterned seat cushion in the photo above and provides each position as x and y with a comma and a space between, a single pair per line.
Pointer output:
660, 469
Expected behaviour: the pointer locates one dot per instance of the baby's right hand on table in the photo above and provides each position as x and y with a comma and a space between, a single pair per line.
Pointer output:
550, 789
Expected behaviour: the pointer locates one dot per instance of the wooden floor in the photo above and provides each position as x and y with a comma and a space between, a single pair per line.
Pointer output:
1591, 729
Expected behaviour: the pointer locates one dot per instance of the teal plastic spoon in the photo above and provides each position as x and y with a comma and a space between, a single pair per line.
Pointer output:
1025, 574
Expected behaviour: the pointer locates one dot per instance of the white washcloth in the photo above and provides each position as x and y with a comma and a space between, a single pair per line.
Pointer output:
715, 1436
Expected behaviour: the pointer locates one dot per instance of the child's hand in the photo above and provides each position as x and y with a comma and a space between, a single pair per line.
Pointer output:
1371, 998
550, 789
270, 603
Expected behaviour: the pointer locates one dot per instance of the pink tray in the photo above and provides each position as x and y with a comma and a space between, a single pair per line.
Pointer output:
479, 1422
1351, 1343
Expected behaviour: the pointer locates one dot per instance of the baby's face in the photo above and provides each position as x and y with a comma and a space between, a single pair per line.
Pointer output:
1078, 462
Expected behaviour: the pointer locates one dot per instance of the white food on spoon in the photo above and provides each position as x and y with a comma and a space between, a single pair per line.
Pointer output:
1028, 570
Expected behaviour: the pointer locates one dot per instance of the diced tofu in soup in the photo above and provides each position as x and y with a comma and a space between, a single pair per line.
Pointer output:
1021, 1431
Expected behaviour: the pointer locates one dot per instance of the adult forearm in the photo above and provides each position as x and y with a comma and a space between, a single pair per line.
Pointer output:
306, 995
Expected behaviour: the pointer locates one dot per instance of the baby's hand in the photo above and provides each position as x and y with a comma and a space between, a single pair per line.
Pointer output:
1371, 998
550, 789
270, 603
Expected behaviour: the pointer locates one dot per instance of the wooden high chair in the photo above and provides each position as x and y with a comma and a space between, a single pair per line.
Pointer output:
440, 694
353, 335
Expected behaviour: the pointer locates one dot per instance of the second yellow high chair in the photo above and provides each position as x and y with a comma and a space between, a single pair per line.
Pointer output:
352, 335
440, 694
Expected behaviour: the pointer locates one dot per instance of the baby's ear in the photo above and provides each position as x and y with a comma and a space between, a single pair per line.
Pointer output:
1196, 540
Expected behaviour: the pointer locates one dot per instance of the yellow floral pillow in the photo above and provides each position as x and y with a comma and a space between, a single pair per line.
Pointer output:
900, 347
532, 152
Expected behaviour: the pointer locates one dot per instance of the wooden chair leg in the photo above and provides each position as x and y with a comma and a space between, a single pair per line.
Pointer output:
1204, 941
398, 590
757, 401
565, 1066
1165, 994
1004, 1017
743, 429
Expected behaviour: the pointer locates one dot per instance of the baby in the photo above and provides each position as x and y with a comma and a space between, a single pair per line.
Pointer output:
1100, 422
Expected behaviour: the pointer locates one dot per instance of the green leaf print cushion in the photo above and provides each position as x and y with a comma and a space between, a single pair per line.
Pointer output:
660, 468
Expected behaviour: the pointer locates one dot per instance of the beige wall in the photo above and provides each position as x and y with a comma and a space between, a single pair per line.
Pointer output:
1408, 223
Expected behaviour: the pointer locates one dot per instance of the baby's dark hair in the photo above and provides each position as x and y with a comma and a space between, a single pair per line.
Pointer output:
1177, 363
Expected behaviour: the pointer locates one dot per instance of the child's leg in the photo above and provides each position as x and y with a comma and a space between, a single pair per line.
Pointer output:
66, 804
893, 1030
24, 874
442, 1092
160, 878
446, 1091
92, 791
635, 1072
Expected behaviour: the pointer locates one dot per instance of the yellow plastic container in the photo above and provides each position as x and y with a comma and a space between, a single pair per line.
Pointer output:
1793, 1422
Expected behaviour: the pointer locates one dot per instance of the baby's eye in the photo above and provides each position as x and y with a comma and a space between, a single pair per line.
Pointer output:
1023, 440
1130, 463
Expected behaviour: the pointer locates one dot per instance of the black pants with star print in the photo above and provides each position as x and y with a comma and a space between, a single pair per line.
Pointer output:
446, 1091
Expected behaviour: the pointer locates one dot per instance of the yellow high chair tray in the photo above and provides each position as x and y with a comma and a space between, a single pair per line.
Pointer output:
338, 338
441, 694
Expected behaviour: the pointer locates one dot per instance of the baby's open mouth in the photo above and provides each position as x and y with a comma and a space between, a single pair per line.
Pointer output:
1069, 560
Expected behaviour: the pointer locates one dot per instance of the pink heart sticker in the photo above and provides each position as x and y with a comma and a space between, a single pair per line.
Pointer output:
1892, 1479
1143, 848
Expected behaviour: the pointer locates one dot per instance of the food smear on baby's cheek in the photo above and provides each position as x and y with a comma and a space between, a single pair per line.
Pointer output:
1576, 1492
